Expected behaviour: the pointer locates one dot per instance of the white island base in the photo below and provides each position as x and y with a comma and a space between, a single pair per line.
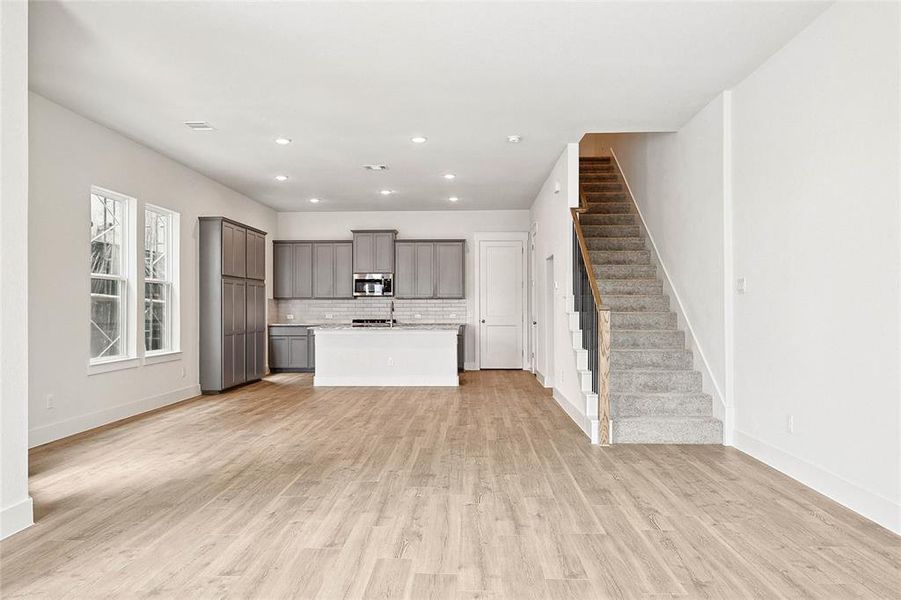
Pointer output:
399, 356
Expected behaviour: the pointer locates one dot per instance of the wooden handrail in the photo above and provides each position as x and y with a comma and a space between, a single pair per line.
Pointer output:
603, 320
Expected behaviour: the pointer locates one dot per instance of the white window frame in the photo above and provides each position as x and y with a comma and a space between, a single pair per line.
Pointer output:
172, 348
127, 356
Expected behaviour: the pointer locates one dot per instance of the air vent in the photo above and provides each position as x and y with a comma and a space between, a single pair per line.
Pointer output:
376, 167
199, 125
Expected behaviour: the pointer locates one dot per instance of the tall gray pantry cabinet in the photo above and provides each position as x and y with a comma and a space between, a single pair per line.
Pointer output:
232, 304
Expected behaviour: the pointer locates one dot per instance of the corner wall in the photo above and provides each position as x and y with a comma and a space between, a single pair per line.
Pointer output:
68, 154
816, 201
15, 503
551, 219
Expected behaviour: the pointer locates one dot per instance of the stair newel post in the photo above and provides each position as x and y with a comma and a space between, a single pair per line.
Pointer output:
603, 390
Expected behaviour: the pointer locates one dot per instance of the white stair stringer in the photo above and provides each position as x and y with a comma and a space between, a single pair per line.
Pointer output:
589, 398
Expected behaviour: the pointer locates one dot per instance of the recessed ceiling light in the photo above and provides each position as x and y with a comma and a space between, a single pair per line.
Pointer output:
419, 139
514, 139
386, 192
449, 176
453, 198
283, 141
281, 178
376, 167
314, 200
199, 125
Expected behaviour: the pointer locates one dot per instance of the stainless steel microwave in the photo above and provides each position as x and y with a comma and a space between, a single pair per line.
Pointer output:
373, 284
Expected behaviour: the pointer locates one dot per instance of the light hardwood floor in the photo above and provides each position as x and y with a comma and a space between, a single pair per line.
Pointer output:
279, 490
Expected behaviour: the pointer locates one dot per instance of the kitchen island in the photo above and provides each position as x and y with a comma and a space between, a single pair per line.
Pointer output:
403, 355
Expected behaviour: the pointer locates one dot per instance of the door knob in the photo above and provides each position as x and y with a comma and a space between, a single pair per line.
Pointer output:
534, 322
483, 320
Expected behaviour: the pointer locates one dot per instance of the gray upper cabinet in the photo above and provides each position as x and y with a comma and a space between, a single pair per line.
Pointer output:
332, 269
373, 251
449, 257
234, 250
429, 269
256, 256
292, 269
232, 304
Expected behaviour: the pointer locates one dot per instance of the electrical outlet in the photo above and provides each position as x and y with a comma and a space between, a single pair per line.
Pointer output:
329, 316
51, 402
452, 316
741, 285
417, 316
790, 424
289, 317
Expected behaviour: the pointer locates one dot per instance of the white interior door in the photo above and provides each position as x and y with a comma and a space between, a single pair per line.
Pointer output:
500, 304
533, 300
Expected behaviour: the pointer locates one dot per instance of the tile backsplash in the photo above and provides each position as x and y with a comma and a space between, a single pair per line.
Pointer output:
343, 311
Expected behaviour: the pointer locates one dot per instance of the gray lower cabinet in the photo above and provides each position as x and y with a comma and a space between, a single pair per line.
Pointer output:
232, 304
429, 269
291, 349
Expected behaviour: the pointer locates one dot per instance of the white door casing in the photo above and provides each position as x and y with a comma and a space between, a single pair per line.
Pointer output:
501, 306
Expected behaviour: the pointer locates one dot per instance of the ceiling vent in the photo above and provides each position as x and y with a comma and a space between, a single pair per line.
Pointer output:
376, 167
199, 125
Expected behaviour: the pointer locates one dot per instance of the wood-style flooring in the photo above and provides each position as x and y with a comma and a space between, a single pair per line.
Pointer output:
279, 490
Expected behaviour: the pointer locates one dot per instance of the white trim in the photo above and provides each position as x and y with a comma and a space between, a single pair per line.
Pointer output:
17, 517
156, 358
60, 429
500, 236
471, 366
710, 383
867, 503
583, 422
97, 367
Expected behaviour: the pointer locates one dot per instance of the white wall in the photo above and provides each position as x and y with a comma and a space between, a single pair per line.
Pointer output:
816, 168
456, 224
68, 154
677, 180
551, 215
15, 503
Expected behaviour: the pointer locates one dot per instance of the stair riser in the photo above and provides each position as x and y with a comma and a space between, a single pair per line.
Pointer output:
630, 286
598, 219
617, 244
608, 231
604, 197
667, 431
609, 208
597, 176
602, 187
650, 359
663, 405
634, 303
652, 340
635, 257
625, 271
655, 381
643, 320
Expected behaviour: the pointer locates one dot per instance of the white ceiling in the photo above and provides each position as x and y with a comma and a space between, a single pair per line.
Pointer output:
351, 83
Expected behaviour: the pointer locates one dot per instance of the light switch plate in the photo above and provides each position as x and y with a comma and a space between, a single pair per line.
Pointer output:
741, 285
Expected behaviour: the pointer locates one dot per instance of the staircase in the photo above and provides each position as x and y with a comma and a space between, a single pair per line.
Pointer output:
655, 394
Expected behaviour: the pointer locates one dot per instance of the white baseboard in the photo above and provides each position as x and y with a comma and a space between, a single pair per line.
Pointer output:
386, 381
17, 517
546, 382
61, 429
573, 411
471, 366
864, 502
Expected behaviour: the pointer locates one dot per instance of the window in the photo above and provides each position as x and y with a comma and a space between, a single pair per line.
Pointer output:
160, 265
109, 277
